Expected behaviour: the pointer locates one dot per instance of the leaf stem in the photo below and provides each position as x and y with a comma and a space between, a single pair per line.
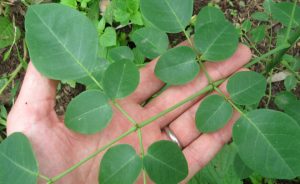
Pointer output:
44, 177
140, 136
291, 70
124, 112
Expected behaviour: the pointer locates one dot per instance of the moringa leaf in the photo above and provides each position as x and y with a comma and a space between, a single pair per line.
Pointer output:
165, 163
60, 48
209, 14
171, 16
177, 66
18, 164
213, 114
88, 113
268, 143
120, 165
247, 87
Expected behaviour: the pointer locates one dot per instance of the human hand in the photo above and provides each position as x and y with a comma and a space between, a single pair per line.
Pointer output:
57, 148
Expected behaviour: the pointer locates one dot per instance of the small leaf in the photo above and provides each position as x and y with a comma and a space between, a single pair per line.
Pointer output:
282, 12
165, 163
120, 54
177, 66
290, 82
7, 32
18, 164
139, 58
246, 88
60, 48
171, 16
292, 109
267, 6
209, 14
109, 37
217, 41
246, 26
260, 16
258, 33
283, 99
293, 61
240, 168
120, 165
268, 143
88, 113
151, 42
213, 114
121, 79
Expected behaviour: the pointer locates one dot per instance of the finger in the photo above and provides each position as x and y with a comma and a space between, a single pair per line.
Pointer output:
176, 94
149, 83
204, 148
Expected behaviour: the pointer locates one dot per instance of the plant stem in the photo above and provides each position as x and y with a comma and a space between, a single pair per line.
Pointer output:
44, 177
13, 75
56, 178
291, 70
270, 90
140, 136
124, 113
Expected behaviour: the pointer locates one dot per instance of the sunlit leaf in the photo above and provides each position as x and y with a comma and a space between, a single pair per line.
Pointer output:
268, 143
177, 66
213, 113
246, 88
18, 164
109, 37
120, 165
165, 163
88, 113
209, 14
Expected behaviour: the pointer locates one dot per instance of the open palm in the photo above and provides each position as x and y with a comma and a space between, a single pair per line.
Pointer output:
57, 148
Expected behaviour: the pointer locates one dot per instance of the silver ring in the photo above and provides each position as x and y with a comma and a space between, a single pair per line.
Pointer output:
172, 136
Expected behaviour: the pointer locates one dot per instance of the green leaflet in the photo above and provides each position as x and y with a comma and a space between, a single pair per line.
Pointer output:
120, 54
18, 164
109, 37
284, 98
171, 16
60, 48
246, 88
268, 143
282, 12
216, 41
120, 165
150, 41
177, 66
258, 33
121, 79
209, 14
240, 168
165, 163
7, 32
88, 113
290, 82
292, 109
213, 113
260, 16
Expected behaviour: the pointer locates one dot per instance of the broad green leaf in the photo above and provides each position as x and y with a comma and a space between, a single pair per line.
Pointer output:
283, 99
150, 41
246, 26
165, 163
18, 164
7, 32
171, 16
292, 109
220, 170
120, 54
120, 165
282, 12
177, 66
209, 14
121, 79
290, 82
258, 33
261, 16
213, 114
246, 88
109, 37
217, 41
240, 168
62, 42
88, 113
268, 143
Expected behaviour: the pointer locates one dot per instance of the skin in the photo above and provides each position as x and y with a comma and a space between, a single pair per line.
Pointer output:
57, 148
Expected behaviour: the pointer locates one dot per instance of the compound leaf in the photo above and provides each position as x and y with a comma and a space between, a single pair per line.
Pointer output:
150, 41
217, 41
282, 12
213, 113
18, 164
120, 165
88, 113
209, 14
246, 88
177, 66
60, 48
121, 79
165, 163
268, 143
171, 16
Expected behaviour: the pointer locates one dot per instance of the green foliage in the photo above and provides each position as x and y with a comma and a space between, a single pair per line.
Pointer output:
240, 168
282, 12
213, 113
120, 54
284, 98
290, 82
258, 33
8, 33
260, 16
88, 113
209, 14
125, 11
120, 165
165, 163
18, 164
109, 37
292, 109
3, 115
